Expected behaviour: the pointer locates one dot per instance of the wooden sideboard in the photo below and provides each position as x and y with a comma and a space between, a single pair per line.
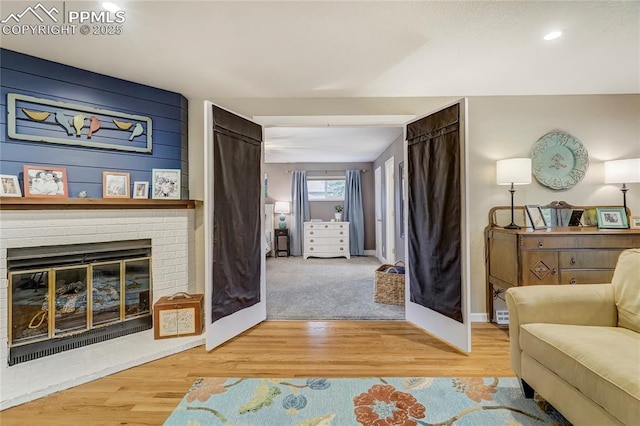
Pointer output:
561, 255
326, 239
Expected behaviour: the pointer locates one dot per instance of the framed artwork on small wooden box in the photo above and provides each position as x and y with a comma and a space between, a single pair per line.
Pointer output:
115, 185
9, 186
635, 222
45, 182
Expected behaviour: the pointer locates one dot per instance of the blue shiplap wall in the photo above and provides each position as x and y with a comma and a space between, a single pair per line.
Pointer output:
37, 77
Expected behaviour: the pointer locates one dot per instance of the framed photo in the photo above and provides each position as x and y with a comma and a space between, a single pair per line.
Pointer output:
535, 217
9, 186
165, 184
47, 182
141, 190
612, 218
635, 222
115, 185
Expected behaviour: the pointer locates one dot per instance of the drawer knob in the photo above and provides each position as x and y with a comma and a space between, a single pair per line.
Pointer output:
310, 241
340, 226
554, 271
572, 281
310, 248
341, 240
311, 233
341, 232
326, 226
540, 245
573, 261
341, 248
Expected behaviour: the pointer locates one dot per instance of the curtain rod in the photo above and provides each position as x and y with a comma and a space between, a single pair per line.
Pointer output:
328, 171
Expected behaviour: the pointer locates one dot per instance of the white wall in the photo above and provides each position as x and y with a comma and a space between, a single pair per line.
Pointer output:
499, 127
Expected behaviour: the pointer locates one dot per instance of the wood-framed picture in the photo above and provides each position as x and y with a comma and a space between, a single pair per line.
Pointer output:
535, 217
140, 190
45, 182
634, 222
9, 186
165, 184
115, 185
611, 218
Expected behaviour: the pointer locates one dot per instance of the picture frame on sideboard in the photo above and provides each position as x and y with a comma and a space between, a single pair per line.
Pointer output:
611, 218
535, 217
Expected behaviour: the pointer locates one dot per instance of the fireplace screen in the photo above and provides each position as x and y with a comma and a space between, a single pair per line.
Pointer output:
67, 302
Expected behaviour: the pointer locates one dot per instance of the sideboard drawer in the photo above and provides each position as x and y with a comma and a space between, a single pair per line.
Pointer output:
586, 276
325, 233
605, 259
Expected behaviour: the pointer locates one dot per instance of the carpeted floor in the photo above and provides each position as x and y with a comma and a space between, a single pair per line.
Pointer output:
325, 289
364, 401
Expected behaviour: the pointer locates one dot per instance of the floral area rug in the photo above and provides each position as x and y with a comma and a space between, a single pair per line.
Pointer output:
360, 401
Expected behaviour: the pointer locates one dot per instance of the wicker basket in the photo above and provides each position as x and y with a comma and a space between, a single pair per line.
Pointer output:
389, 286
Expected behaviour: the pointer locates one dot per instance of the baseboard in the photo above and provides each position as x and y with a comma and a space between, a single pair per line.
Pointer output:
369, 252
478, 317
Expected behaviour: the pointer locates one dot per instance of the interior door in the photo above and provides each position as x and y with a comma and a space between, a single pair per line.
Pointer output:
436, 241
378, 201
235, 291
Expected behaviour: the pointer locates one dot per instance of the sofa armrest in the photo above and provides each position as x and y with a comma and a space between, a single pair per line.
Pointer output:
588, 304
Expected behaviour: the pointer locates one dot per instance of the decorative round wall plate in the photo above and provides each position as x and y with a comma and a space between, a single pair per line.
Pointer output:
559, 161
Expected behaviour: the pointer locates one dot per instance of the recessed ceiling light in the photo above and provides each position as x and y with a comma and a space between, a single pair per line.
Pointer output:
111, 7
553, 35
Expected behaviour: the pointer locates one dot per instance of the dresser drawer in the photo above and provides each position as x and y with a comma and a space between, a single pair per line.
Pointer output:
321, 233
308, 241
342, 249
586, 276
326, 225
603, 259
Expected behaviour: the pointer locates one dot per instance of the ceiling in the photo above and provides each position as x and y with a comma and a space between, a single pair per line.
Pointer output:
311, 49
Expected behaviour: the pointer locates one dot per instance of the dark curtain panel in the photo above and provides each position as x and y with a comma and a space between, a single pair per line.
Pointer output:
299, 211
353, 212
236, 213
435, 241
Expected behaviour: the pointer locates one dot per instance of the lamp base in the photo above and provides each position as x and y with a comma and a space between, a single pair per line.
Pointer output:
512, 226
282, 224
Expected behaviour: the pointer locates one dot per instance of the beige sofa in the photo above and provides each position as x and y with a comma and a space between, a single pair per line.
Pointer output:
579, 346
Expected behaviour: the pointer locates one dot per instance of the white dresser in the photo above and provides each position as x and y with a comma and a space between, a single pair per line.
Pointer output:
326, 239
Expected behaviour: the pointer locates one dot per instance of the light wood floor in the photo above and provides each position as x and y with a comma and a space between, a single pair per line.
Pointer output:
147, 394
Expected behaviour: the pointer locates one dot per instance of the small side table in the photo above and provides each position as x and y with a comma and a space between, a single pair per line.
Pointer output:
282, 241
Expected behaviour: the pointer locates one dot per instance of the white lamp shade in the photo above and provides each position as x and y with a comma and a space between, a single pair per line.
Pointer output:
622, 171
515, 171
281, 207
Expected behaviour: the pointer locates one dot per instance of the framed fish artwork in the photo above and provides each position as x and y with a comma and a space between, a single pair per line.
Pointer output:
43, 120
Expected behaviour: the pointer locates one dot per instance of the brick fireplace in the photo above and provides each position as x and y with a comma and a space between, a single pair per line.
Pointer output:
170, 232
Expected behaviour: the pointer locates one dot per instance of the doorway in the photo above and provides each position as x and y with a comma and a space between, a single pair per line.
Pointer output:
378, 213
390, 201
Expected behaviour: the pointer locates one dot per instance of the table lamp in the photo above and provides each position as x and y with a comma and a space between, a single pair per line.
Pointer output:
513, 171
624, 172
282, 207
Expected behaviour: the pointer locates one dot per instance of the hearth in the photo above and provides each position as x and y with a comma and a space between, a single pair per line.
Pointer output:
67, 296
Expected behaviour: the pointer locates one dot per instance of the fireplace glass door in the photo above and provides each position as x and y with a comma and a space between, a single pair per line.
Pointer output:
70, 295
29, 307
137, 289
106, 293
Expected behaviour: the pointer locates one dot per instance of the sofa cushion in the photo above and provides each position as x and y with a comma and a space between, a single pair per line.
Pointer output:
626, 285
602, 362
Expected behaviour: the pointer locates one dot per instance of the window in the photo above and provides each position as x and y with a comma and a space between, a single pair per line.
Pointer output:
325, 189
